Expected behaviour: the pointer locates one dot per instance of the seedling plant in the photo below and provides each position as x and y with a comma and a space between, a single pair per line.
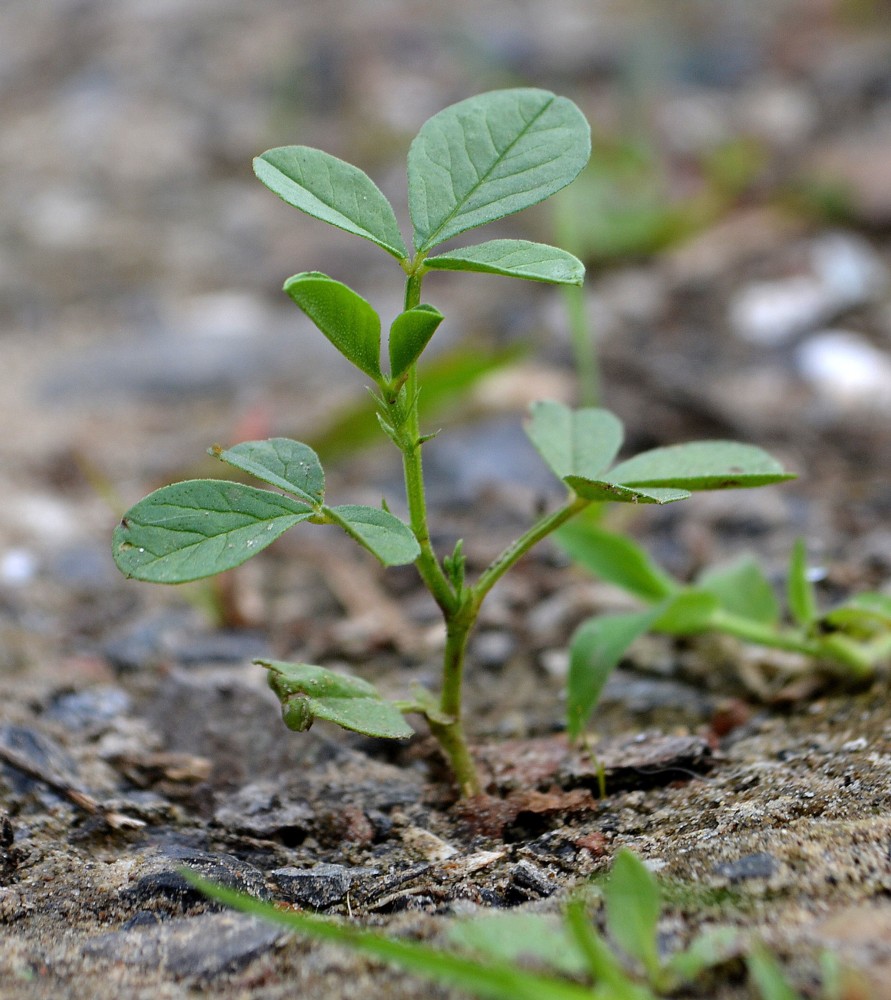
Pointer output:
851, 639
471, 164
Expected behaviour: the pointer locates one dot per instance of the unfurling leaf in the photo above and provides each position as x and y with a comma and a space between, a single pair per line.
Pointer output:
409, 335
868, 612
308, 692
604, 491
490, 156
290, 465
513, 259
198, 528
331, 190
345, 318
687, 613
660, 476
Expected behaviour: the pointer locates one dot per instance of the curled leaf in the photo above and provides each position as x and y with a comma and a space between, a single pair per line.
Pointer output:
308, 692
345, 318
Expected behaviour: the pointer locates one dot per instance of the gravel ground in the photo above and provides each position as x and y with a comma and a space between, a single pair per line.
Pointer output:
141, 320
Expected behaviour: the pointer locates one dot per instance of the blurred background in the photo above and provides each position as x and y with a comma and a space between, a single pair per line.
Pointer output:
735, 222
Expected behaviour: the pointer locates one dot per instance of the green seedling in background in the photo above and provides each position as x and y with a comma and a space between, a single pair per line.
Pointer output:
473, 163
516, 955
852, 638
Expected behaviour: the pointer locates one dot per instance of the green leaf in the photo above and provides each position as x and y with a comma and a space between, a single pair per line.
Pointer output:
765, 972
289, 465
331, 190
742, 589
606, 970
605, 491
616, 559
511, 936
799, 589
574, 442
870, 611
308, 692
710, 948
631, 895
513, 259
198, 528
490, 156
701, 465
383, 534
687, 613
409, 335
495, 980
595, 649
345, 318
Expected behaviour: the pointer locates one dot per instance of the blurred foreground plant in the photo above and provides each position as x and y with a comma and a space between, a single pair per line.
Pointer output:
515, 955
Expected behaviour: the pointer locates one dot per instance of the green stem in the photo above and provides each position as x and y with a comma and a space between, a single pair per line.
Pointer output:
427, 563
517, 549
761, 635
446, 726
857, 658
460, 606
450, 734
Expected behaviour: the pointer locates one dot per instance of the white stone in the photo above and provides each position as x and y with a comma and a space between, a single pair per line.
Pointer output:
773, 312
17, 567
846, 370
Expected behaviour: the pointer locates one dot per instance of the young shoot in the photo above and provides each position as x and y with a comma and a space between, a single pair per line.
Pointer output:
471, 164
851, 640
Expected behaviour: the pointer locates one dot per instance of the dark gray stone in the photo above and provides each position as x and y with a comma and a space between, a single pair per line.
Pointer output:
88, 709
529, 877
177, 637
201, 947
42, 755
166, 884
319, 887
759, 865
461, 465
235, 725
261, 810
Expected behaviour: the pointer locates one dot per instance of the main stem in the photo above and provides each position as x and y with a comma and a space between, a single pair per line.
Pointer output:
447, 727
460, 605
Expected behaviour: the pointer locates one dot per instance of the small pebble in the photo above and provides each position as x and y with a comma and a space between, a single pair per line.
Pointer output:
167, 886
758, 865
852, 746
